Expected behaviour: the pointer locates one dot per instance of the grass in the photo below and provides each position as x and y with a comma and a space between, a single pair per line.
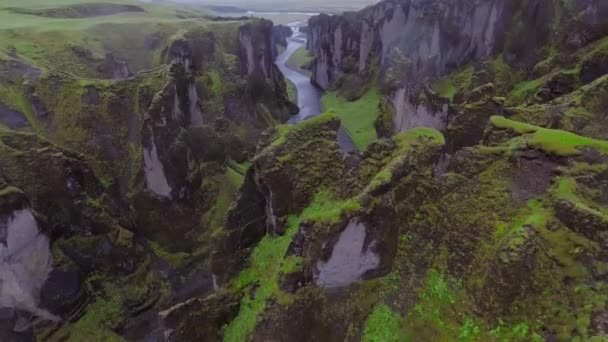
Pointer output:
405, 141
48, 43
525, 89
282, 131
299, 59
292, 91
383, 325
566, 190
18, 101
357, 117
334, 6
98, 321
557, 142
325, 208
217, 84
268, 263
228, 185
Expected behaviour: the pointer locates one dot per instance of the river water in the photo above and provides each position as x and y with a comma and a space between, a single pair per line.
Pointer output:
309, 96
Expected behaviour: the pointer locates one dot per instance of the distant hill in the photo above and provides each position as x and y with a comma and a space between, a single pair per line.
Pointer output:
290, 5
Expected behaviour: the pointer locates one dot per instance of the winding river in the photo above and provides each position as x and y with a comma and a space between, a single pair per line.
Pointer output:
309, 96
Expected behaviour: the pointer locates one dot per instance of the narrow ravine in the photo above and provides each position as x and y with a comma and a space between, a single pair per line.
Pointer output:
309, 96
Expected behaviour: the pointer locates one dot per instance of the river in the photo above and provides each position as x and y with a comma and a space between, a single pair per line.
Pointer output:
309, 96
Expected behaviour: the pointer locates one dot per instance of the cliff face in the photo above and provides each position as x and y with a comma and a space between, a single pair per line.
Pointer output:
473, 217
140, 202
409, 43
437, 36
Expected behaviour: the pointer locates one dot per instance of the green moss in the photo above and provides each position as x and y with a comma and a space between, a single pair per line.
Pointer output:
566, 189
443, 313
228, 185
325, 208
406, 141
358, 118
217, 84
457, 82
504, 76
268, 263
383, 325
11, 190
431, 314
47, 41
176, 260
525, 89
17, 100
282, 131
292, 91
98, 321
552, 141
445, 89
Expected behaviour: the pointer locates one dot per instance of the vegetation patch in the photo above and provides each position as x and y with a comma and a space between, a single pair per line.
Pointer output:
382, 325
552, 141
79, 10
292, 91
358, 118
525, 89
300, 60
406, 141
442, 313
457, 82
268, 263
228, 185
283, 131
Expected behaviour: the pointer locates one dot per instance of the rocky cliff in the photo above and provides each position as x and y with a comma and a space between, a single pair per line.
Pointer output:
473, 217
407, 44
150, 194
126, 173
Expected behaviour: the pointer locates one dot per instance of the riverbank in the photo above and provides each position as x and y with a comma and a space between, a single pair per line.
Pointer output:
308, 96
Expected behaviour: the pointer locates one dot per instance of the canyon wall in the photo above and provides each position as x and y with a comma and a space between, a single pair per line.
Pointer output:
408, 43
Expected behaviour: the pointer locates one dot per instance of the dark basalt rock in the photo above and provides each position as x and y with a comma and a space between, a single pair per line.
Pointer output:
594, 67
11, 118
532, 175
281, 33
200, 319
245, 226
581, 219
8, 319
511, 275
63, 292
113, 68
559, 85
91, 96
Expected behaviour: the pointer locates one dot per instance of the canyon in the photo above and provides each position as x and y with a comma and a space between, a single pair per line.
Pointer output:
441, 173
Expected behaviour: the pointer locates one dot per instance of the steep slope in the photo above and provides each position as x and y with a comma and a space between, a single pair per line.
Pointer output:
124, 141
409, 44
479, 214
164, 202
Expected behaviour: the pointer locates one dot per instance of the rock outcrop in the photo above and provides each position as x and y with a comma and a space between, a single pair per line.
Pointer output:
132, 217
414, 42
